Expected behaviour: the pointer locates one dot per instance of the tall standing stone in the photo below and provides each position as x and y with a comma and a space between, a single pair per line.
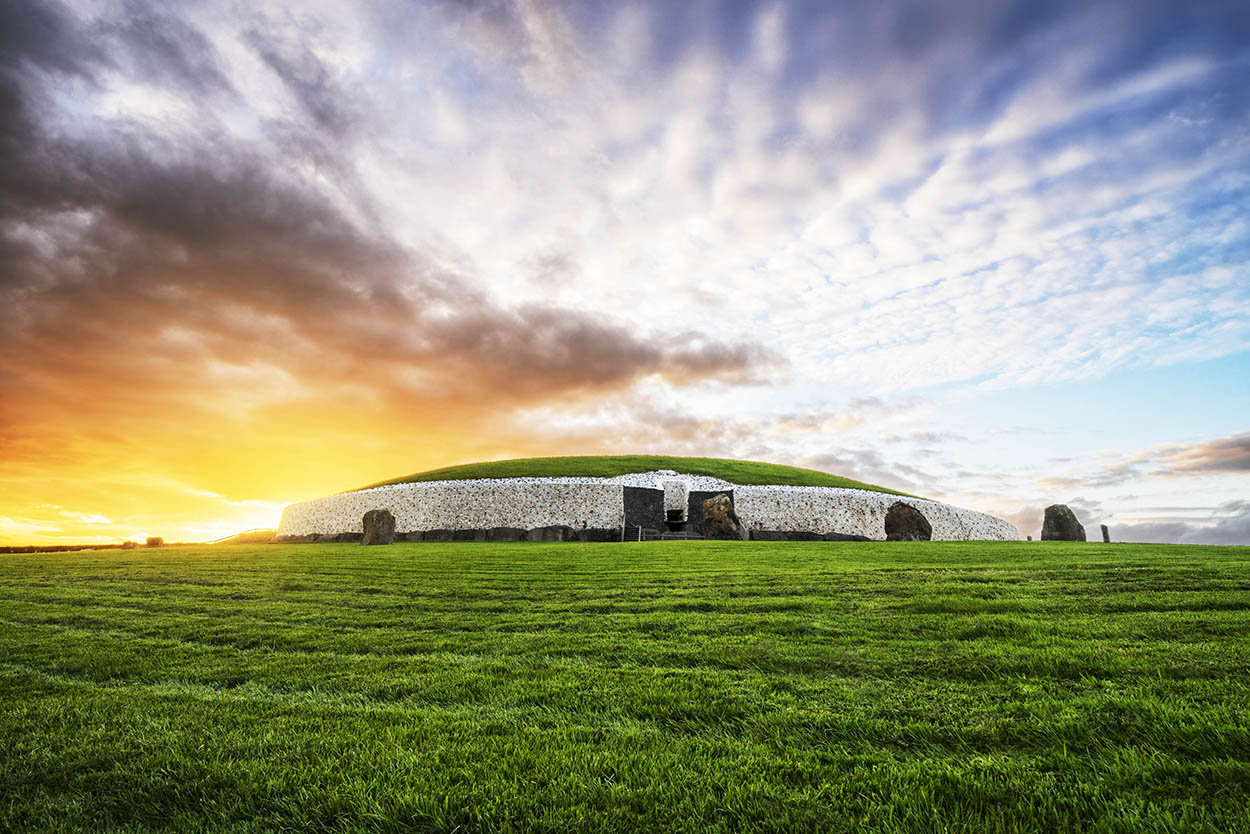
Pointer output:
1060, 525
379, 527
1106, 534
905, 523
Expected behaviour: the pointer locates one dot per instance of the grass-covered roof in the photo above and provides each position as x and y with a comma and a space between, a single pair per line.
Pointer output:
746, 472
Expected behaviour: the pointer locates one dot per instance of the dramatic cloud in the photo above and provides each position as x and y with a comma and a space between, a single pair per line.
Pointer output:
256, 251
1224, 455
1227, 454
122, 241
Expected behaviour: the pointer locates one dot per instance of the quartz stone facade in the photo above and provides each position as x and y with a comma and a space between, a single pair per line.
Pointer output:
635, 500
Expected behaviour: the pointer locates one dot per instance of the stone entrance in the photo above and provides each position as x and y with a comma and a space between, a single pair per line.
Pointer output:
676, 497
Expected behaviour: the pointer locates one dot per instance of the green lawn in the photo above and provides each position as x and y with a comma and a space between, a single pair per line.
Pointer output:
673, 686
609, 466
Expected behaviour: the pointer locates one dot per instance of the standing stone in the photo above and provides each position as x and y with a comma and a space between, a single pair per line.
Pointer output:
1060, 525
719, 521
379, 527
905, 523
1106, 534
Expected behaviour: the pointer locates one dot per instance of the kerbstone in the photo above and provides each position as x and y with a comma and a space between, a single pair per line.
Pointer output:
905, 523
719, 521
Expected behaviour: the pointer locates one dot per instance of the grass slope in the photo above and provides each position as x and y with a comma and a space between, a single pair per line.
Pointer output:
744, 472
685, 686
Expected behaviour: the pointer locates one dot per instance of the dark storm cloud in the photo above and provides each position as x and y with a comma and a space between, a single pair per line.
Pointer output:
115, 235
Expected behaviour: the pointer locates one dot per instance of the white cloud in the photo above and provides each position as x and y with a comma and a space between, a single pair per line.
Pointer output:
1026, 223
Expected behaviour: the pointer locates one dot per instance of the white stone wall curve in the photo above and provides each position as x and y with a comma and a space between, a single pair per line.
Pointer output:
599, 503
857, 512
464, 505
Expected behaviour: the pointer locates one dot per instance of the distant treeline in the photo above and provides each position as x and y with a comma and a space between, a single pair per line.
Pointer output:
247, 537
64, 548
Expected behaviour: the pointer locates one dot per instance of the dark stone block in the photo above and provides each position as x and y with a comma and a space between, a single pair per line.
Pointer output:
1060, 525
551, 533
438, 535
598, 534
805, 536
471, 534
769, 536
505, 534
644, 507
905, 523
311, 537
845, 537
1106, 534
340, 538
379, 527
719, 521
694, 505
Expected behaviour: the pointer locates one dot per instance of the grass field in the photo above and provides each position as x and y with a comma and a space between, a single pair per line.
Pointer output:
679, 686
744, 472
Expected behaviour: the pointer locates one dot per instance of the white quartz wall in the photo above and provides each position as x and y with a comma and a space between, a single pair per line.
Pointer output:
465, 505
677, 495
855, 512
598, 502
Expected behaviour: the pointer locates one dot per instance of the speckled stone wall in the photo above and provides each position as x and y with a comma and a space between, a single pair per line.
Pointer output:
602, 504
464, 505
856, 512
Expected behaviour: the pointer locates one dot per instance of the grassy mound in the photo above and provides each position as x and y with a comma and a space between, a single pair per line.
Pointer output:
745, 472
678, 687
249, 537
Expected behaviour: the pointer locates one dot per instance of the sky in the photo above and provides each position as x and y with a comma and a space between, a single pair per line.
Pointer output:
996, 254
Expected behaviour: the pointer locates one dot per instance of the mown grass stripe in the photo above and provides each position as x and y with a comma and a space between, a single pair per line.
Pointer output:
683, 686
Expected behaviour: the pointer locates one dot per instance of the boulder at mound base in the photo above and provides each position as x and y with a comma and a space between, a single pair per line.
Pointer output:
719, 521
846, 537
1060, 525
505, 534
550, 533
905, 523
379, 527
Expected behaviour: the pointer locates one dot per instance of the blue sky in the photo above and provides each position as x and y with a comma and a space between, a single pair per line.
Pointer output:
996, 253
